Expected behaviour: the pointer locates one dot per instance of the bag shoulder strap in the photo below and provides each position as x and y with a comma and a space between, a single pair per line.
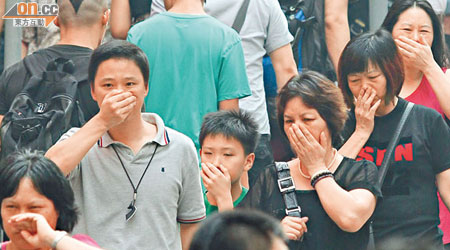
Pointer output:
390, 149
240, 17
287, 189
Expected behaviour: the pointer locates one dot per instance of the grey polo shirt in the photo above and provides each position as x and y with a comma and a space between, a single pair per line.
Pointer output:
170, 192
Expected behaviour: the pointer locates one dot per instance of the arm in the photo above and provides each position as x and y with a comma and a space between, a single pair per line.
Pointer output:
283, 64
120, 21
229, 104
348, 209
440, 83
35, 229
115, 108
337, 32
187, 231
419, 55
443, 185
365, 115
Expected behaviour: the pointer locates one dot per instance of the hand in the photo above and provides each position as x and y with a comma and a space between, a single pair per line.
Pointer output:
309, 151
365, 111
217, 181
116, 107
34, 228
417, 54
294, 227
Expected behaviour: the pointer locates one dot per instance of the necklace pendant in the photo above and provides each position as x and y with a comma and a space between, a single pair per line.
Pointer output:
132, 211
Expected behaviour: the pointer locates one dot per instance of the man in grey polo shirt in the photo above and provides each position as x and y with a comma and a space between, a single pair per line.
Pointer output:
136, 182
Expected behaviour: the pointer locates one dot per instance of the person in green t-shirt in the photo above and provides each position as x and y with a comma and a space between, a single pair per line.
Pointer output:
227, 144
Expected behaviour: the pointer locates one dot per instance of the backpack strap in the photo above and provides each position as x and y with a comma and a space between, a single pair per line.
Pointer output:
392, 144
240, 17
287, 189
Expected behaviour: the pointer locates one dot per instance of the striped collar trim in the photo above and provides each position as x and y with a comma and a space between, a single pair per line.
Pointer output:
162, 136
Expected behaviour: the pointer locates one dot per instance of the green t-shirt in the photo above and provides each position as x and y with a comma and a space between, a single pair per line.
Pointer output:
212, 209
195, 62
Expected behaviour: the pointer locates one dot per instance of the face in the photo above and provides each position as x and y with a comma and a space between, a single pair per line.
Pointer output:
373, 80
119, 74
26, 200
296, 112
413, 23
220, 150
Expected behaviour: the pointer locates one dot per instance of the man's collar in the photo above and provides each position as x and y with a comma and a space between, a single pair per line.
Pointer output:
161, 137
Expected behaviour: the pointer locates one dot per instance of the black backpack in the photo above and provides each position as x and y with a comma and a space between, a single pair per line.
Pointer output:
306, 24
44, 110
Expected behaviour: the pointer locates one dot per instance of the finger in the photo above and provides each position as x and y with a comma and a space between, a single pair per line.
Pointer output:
362, 92
308, 136
116, 95
375, 106
126, 111
423, 41
208, 171
128, 101
293, 230
295, 225
303, 142
372, 96
403, 45
405, 53
224, 171
323, 139
215, 170
26, 235
291, 236
407, 43
293, 139
303, 223
204, 169
205, 179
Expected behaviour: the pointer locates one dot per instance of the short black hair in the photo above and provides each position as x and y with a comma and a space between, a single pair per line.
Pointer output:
231, 123
318, 92
379, 49
118, 49
47, 179
438, 46
237, 230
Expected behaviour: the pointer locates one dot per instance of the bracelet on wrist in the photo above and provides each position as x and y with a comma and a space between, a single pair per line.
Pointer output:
319, 172
319, 176
58, 238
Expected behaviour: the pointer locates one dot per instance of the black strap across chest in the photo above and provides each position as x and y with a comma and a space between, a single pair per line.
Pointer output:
287, 189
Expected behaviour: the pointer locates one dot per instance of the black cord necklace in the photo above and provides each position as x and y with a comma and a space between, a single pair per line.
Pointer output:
132, 205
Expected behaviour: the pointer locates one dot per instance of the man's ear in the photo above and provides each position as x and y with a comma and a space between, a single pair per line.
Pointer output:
56, 21
105, 17
249, 160
93, 93
146, 89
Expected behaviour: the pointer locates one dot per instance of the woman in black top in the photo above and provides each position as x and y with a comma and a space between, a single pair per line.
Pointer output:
337, 195
371, 76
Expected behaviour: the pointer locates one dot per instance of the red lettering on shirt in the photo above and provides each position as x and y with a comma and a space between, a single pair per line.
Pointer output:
404, 152
380, 156
365, 154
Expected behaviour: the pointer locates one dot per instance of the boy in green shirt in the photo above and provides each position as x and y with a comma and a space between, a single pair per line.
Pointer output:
227, 140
